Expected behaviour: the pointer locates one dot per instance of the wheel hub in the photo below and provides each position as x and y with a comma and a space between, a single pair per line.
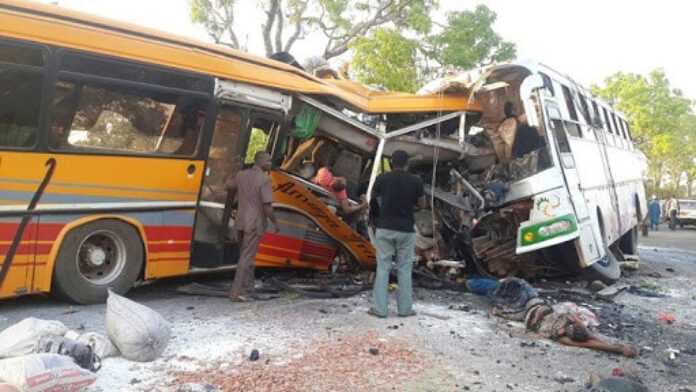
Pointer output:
96, 256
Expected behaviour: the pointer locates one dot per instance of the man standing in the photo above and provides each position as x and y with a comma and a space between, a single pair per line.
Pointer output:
672, 208
255, 196
654, 212
397, 193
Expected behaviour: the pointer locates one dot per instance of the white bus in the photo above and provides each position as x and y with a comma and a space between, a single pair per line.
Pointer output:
545, 177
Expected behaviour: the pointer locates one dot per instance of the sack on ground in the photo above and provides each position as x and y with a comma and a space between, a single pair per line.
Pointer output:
82, 354
139, 333
101, 345
45, 373
8, 388
22, 338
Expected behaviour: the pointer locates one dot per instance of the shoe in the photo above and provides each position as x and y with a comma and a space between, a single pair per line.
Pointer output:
409, 314
374, 313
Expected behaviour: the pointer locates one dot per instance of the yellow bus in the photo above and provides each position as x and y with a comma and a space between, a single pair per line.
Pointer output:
115, 142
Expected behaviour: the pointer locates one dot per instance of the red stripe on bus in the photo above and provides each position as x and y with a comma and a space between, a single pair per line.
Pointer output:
168, 259
163, 233
27, 247
155, 248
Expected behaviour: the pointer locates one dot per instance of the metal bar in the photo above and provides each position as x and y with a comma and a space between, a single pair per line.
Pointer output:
375, 167
421, 125
335, 113
469, 187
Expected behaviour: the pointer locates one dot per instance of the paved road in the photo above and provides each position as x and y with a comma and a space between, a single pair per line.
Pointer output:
444, 349
683, 239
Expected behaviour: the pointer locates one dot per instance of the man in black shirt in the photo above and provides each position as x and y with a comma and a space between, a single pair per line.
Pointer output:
398, 193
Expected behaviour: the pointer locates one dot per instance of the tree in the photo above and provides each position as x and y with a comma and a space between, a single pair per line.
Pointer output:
398, 73
389, 59
289, 21
395, 43
655, 113
468, 40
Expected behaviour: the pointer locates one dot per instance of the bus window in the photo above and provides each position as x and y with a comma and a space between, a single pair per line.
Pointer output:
118, 119
569, 103
21, 86
606, 121
616, 127
597, 119
573, 128
224, 157
584, 109
560, 135
265, 136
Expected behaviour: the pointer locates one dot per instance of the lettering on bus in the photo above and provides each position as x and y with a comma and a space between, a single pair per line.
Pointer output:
286, 191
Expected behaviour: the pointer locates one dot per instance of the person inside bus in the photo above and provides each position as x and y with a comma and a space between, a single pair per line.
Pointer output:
254, 193
527, 138
338, 188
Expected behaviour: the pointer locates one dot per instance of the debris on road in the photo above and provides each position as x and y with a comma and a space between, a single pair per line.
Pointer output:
344, 364
22, 338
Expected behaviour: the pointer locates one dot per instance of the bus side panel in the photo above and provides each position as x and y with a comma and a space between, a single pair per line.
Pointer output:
111, 186
169, 245
18, 279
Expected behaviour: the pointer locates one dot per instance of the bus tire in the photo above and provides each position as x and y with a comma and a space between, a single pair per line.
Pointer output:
95, 257
606, 269
628, 243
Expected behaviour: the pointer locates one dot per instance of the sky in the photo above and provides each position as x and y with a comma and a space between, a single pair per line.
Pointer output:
585, 39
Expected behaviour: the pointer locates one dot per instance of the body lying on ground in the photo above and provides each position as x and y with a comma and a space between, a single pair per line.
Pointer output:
569, 324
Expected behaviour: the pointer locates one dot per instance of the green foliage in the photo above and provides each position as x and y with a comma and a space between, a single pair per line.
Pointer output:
257, 142
469, 40
392, 40
661, 121
371, 66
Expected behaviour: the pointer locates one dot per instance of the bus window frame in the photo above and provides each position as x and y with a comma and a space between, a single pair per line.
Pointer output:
46, 83
106, 82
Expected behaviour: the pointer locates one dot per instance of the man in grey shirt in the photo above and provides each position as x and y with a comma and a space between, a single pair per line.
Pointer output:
254, 207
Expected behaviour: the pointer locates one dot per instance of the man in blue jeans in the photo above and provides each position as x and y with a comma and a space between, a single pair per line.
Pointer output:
397, 193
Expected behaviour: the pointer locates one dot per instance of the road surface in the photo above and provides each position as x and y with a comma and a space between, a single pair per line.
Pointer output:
310, 344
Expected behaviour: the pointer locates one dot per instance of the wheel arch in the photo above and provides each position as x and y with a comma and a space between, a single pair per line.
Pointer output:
58, 242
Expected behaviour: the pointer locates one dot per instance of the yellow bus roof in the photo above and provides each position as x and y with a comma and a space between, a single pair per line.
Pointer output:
55, 25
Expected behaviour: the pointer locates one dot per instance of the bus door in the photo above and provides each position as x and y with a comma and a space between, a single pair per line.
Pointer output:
567, 161
601, 137
225, 159
239, 134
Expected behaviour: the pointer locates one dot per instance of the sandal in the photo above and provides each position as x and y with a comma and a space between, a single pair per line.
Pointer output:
239, 298
374, 313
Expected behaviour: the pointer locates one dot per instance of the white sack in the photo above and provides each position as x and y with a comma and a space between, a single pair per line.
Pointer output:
101, 345
45, 373
21, 338
139, 333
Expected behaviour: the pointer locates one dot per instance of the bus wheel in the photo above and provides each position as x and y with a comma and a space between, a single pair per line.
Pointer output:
607, 268
95, 257
628, 243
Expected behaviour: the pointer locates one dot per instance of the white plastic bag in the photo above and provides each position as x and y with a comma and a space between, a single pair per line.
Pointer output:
45, 373
21, 338
101, 345
139, 333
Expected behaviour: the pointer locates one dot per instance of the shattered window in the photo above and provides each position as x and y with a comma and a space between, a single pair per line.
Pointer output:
122, 119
